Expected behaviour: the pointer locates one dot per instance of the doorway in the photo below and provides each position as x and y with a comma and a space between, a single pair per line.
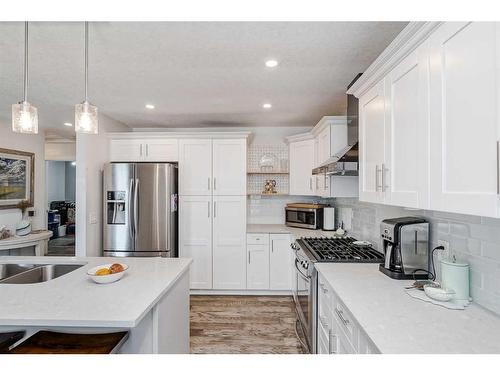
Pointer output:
60, 177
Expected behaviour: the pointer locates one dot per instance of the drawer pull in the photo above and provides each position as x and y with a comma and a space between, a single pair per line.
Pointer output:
323, 288
331, 339
340, 314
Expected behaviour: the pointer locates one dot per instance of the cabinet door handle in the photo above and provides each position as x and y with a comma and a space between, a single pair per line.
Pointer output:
498, 167
326, 181
215, 209
377, 170
249, 253
384, 169
310, 183
147, 149
208, 183
272, 246
317, 188
140, 150
208, 208
340, 314
331, 339
215, 183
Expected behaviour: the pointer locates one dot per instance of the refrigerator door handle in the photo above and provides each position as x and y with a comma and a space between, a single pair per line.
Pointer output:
130, 211
136, 206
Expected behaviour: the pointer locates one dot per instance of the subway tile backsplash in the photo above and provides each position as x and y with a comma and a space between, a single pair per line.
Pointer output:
472, 239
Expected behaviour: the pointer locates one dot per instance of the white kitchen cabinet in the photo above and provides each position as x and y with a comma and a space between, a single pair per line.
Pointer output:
258, 267
372, 145
195, 238
280, 256
161, 150
229, 166
323, 152
144, 150
229, 242
464, 118
404, 171
195, 167
302, 159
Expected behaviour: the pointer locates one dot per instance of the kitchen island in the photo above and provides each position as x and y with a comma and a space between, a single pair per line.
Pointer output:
151, 301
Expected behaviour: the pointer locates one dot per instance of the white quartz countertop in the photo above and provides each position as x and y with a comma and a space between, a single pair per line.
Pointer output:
398, 323
281, 228
74, 300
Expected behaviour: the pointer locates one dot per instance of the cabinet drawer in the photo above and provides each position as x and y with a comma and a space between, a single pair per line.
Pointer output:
365, 345
346, 322
257, 238
323, 346
325, 294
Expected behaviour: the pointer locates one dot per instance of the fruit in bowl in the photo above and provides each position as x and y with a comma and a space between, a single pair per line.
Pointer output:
107, 273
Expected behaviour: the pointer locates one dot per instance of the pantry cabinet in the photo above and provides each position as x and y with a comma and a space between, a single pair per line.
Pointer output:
229, 242
144, 150
195, 238
464, 137
302, 159
195, 167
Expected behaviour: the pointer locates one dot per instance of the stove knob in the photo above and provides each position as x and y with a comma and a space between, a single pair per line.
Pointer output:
294, 246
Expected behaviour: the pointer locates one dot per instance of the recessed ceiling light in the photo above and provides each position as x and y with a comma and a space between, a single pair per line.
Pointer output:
271, 63
68, 124
150, 106
267, 105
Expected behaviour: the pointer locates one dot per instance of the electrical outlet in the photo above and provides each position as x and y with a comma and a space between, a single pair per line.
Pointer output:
443, 254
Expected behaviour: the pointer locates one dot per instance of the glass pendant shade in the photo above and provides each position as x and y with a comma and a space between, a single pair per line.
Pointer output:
86, 118
24, 118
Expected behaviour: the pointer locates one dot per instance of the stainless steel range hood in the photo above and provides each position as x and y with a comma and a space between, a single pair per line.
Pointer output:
346, 161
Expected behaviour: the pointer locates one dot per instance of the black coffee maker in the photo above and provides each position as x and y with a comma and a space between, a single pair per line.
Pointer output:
405, 241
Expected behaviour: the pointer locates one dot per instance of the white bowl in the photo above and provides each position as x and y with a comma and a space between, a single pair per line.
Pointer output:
437, 293
106, 279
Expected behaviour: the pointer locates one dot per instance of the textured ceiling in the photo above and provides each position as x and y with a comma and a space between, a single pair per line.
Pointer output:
196, 74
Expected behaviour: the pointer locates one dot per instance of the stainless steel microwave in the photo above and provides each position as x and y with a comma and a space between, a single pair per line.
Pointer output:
303, 217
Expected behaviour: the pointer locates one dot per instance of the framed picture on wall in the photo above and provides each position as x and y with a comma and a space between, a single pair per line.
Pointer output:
17, 172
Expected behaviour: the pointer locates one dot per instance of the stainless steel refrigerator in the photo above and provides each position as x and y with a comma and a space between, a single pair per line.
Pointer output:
140, 209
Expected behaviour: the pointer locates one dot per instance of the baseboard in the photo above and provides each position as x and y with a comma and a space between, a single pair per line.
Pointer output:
201, 292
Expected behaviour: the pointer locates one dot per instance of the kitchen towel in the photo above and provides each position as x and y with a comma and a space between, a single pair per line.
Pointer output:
420, 294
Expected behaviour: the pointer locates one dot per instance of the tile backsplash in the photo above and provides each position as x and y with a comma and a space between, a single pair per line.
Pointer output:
473, 239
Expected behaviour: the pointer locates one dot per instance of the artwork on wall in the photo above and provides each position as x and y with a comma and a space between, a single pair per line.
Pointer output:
17, 171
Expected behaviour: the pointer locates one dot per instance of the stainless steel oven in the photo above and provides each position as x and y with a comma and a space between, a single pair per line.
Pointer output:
305, 295
303, 217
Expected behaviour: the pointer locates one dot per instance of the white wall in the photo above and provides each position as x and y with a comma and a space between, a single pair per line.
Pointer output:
55, 178
30, 143
62, 150
91, 154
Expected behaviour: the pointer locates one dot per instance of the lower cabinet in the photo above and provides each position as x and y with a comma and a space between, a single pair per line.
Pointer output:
337, 331
258, 267
269, 261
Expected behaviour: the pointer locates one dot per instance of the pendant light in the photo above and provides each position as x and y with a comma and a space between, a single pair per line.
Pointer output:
24, 115
86, 113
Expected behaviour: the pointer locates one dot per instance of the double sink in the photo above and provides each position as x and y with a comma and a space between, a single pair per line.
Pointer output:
12, 273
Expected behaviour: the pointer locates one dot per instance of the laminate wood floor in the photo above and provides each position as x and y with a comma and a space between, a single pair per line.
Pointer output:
243, 324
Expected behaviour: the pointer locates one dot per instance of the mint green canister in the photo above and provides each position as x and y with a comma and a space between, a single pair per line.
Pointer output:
455, 276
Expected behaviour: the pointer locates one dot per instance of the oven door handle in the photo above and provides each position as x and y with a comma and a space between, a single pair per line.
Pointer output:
299, 271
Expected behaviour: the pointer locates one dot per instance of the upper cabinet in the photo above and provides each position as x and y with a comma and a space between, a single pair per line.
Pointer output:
195, 171
429, 126
464, 128
302, 158
229, 166
150, 150
212, 167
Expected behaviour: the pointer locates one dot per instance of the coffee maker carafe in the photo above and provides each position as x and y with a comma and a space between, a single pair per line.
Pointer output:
405, 241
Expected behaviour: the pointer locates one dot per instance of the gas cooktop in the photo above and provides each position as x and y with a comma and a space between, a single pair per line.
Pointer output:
340, 249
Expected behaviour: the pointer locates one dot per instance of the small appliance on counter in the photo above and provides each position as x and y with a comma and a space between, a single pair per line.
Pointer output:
455, 277
405, 241
328, 218
304, 215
